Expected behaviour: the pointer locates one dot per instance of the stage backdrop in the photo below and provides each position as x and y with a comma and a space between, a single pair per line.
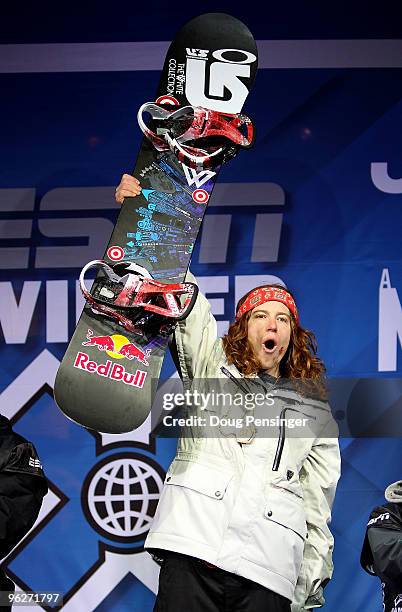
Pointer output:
317, 204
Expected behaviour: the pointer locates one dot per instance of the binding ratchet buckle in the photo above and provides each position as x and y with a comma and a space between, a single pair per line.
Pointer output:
128, 294
200, 138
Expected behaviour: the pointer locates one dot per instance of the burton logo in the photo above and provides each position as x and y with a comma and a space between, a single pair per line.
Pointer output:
225, 74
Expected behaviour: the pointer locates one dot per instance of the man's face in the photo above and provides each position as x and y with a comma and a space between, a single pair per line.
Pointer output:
268, 334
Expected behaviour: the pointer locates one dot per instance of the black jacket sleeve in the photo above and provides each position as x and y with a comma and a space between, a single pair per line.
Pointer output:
386, 547
382, 548
22, 488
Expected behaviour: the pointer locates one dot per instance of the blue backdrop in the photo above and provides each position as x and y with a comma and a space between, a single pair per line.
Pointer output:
317, 202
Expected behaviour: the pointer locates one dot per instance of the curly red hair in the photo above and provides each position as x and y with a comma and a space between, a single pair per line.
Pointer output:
299, 362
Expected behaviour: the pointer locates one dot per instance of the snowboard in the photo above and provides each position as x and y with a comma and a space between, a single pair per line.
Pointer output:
109, 375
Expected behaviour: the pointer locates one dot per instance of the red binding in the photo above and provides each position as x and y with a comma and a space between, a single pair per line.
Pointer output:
205, 124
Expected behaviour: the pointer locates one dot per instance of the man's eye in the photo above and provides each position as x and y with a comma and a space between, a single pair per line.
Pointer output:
283, 319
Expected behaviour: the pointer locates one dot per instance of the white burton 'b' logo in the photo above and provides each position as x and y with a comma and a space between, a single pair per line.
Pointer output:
223, 74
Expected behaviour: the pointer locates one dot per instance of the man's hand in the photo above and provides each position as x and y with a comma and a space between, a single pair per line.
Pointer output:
129, 187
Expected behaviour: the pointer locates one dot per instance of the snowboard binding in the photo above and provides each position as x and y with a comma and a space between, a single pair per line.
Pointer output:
200, 138
128, 294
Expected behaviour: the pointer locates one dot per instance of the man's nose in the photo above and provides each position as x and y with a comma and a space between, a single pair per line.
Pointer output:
271, 323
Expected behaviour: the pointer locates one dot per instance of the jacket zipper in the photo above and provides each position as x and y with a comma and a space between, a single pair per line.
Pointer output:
235, 380
282, 434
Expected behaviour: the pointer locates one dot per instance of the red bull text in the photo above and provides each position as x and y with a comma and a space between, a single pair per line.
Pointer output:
114, 371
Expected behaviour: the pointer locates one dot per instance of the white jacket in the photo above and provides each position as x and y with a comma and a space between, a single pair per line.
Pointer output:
260, 510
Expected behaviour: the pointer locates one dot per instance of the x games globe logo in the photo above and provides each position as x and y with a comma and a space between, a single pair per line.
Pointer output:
120, 495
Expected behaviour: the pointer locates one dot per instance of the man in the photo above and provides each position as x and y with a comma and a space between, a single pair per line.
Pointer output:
382, 548
242, 522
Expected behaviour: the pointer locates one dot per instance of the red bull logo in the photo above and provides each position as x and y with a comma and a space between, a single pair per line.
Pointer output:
131, 351
114, 371
118, 347
104, 343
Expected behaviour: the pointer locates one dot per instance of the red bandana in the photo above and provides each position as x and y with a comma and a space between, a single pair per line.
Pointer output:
268, 294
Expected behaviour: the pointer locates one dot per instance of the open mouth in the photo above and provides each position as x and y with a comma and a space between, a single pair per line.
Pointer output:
270, 345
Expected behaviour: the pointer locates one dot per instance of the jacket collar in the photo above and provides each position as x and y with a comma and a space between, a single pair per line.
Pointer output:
284, 386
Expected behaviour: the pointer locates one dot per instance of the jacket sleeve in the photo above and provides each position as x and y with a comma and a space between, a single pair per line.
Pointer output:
194, 338
386, 548
22, 488
319, 476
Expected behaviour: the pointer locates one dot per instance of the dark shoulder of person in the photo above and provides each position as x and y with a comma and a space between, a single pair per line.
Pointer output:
17, 453
388, 516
